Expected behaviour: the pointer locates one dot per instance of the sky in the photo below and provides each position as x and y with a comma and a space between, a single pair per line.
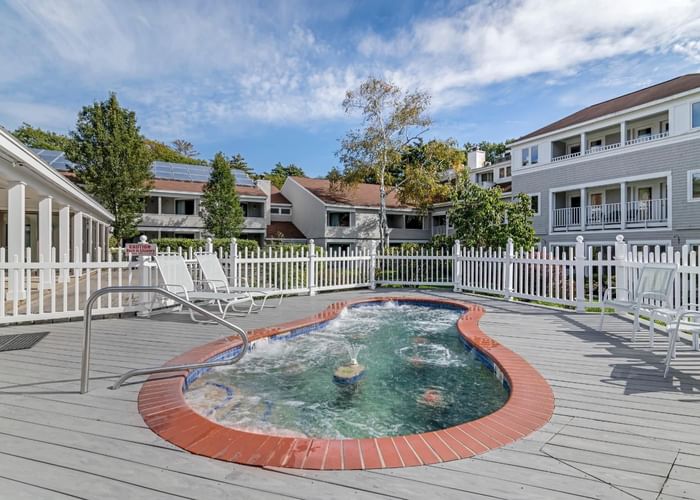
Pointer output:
267, 79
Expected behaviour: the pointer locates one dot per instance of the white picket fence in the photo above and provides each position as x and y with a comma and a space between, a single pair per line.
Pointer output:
574, 276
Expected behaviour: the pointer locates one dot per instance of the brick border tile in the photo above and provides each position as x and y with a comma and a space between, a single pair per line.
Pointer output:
530, 405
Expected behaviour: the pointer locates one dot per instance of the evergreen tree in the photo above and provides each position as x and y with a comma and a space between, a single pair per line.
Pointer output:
237, 162
222, 212
112, 161
279, 174
185, 148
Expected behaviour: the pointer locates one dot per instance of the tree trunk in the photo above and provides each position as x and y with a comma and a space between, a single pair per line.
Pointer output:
382, 214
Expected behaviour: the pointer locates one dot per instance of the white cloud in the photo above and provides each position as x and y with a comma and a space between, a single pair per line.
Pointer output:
193, 64
40, 115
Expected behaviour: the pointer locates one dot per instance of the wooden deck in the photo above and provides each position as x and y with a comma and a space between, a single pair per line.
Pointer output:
619, 429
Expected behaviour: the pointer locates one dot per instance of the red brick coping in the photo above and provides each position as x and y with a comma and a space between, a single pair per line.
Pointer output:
530, 405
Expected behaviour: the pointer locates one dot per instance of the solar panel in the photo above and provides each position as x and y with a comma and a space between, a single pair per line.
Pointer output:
55, 159
160, 169
193, 173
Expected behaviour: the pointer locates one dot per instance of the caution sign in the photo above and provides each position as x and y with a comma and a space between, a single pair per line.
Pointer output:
145, 249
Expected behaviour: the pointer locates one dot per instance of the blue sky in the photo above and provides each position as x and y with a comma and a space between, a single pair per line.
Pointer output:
267, 79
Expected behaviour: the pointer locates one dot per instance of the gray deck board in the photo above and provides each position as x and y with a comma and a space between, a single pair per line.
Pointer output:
619, 429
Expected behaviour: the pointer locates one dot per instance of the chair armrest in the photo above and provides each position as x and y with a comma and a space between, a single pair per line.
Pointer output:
175, 285
214, 281
606, 294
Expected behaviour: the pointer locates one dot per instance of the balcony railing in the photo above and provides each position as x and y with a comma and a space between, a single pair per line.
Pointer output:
650, 213
609, 147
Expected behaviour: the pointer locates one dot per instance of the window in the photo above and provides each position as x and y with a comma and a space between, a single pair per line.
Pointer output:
505, 171
414, 222
575, 148
534, 154
280, 211
184, 207
151, 205
394, 221
596, 144
338, 219
694, 185
485, 177
439, 220
526, 156
338, 248
244, 206
643, 132
535, 203
696, 114
274, 211
286, 211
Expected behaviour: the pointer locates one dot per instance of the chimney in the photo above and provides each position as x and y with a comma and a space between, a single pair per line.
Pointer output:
476, 159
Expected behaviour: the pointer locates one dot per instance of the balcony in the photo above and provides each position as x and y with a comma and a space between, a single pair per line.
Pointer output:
614, 137
636, 214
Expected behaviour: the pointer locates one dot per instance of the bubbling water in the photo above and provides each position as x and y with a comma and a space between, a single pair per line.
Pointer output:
418, 378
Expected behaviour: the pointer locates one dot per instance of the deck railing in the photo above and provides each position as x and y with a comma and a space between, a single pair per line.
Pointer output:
575, 276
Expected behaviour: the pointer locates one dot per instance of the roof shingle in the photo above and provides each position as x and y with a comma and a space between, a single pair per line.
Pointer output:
365, 195
637, 98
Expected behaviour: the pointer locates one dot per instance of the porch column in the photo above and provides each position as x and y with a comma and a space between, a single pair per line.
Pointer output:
90, 238
45, 235
15, 236
160, 205
105, 241
583, 143
583, 214
63, 238
623, 205
623, 133
78, 237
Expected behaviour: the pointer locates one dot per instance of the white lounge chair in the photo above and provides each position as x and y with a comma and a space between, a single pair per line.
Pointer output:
687, 320
177, 279
215, 277
650, 293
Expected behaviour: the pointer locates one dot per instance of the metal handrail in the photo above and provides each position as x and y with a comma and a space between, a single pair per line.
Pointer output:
85, 363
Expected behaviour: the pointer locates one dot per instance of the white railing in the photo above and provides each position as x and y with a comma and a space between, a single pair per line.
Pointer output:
566, 157
566, 217
603, 215
575, 276
646, 138
650, 211
601, 149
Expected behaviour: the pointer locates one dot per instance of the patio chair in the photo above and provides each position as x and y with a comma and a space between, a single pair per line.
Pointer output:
650, 293
177, 279
217, 280
687, 320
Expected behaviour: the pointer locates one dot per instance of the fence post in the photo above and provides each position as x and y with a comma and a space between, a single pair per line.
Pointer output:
508, 270
232, 256
580, 274
311, 274
144, 280
620, 262
373, 267
210, 245
456, 266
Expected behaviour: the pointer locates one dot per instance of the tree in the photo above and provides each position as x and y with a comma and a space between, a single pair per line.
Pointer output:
392, 120
279, 174
222, 212
493, 150
483, 219
35, 137
112, 161
163, 152
237, 162
185, 148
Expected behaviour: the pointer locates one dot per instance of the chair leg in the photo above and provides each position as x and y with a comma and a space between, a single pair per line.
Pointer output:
602, 318
672, 338
651, 332
636, 326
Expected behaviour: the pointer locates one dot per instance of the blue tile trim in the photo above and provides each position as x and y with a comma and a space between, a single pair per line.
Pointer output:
230, 353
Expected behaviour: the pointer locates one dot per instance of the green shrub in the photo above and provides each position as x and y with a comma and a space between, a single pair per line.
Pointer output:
293, 248
186, 244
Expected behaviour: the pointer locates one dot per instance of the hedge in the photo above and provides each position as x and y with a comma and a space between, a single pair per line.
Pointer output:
186, 244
